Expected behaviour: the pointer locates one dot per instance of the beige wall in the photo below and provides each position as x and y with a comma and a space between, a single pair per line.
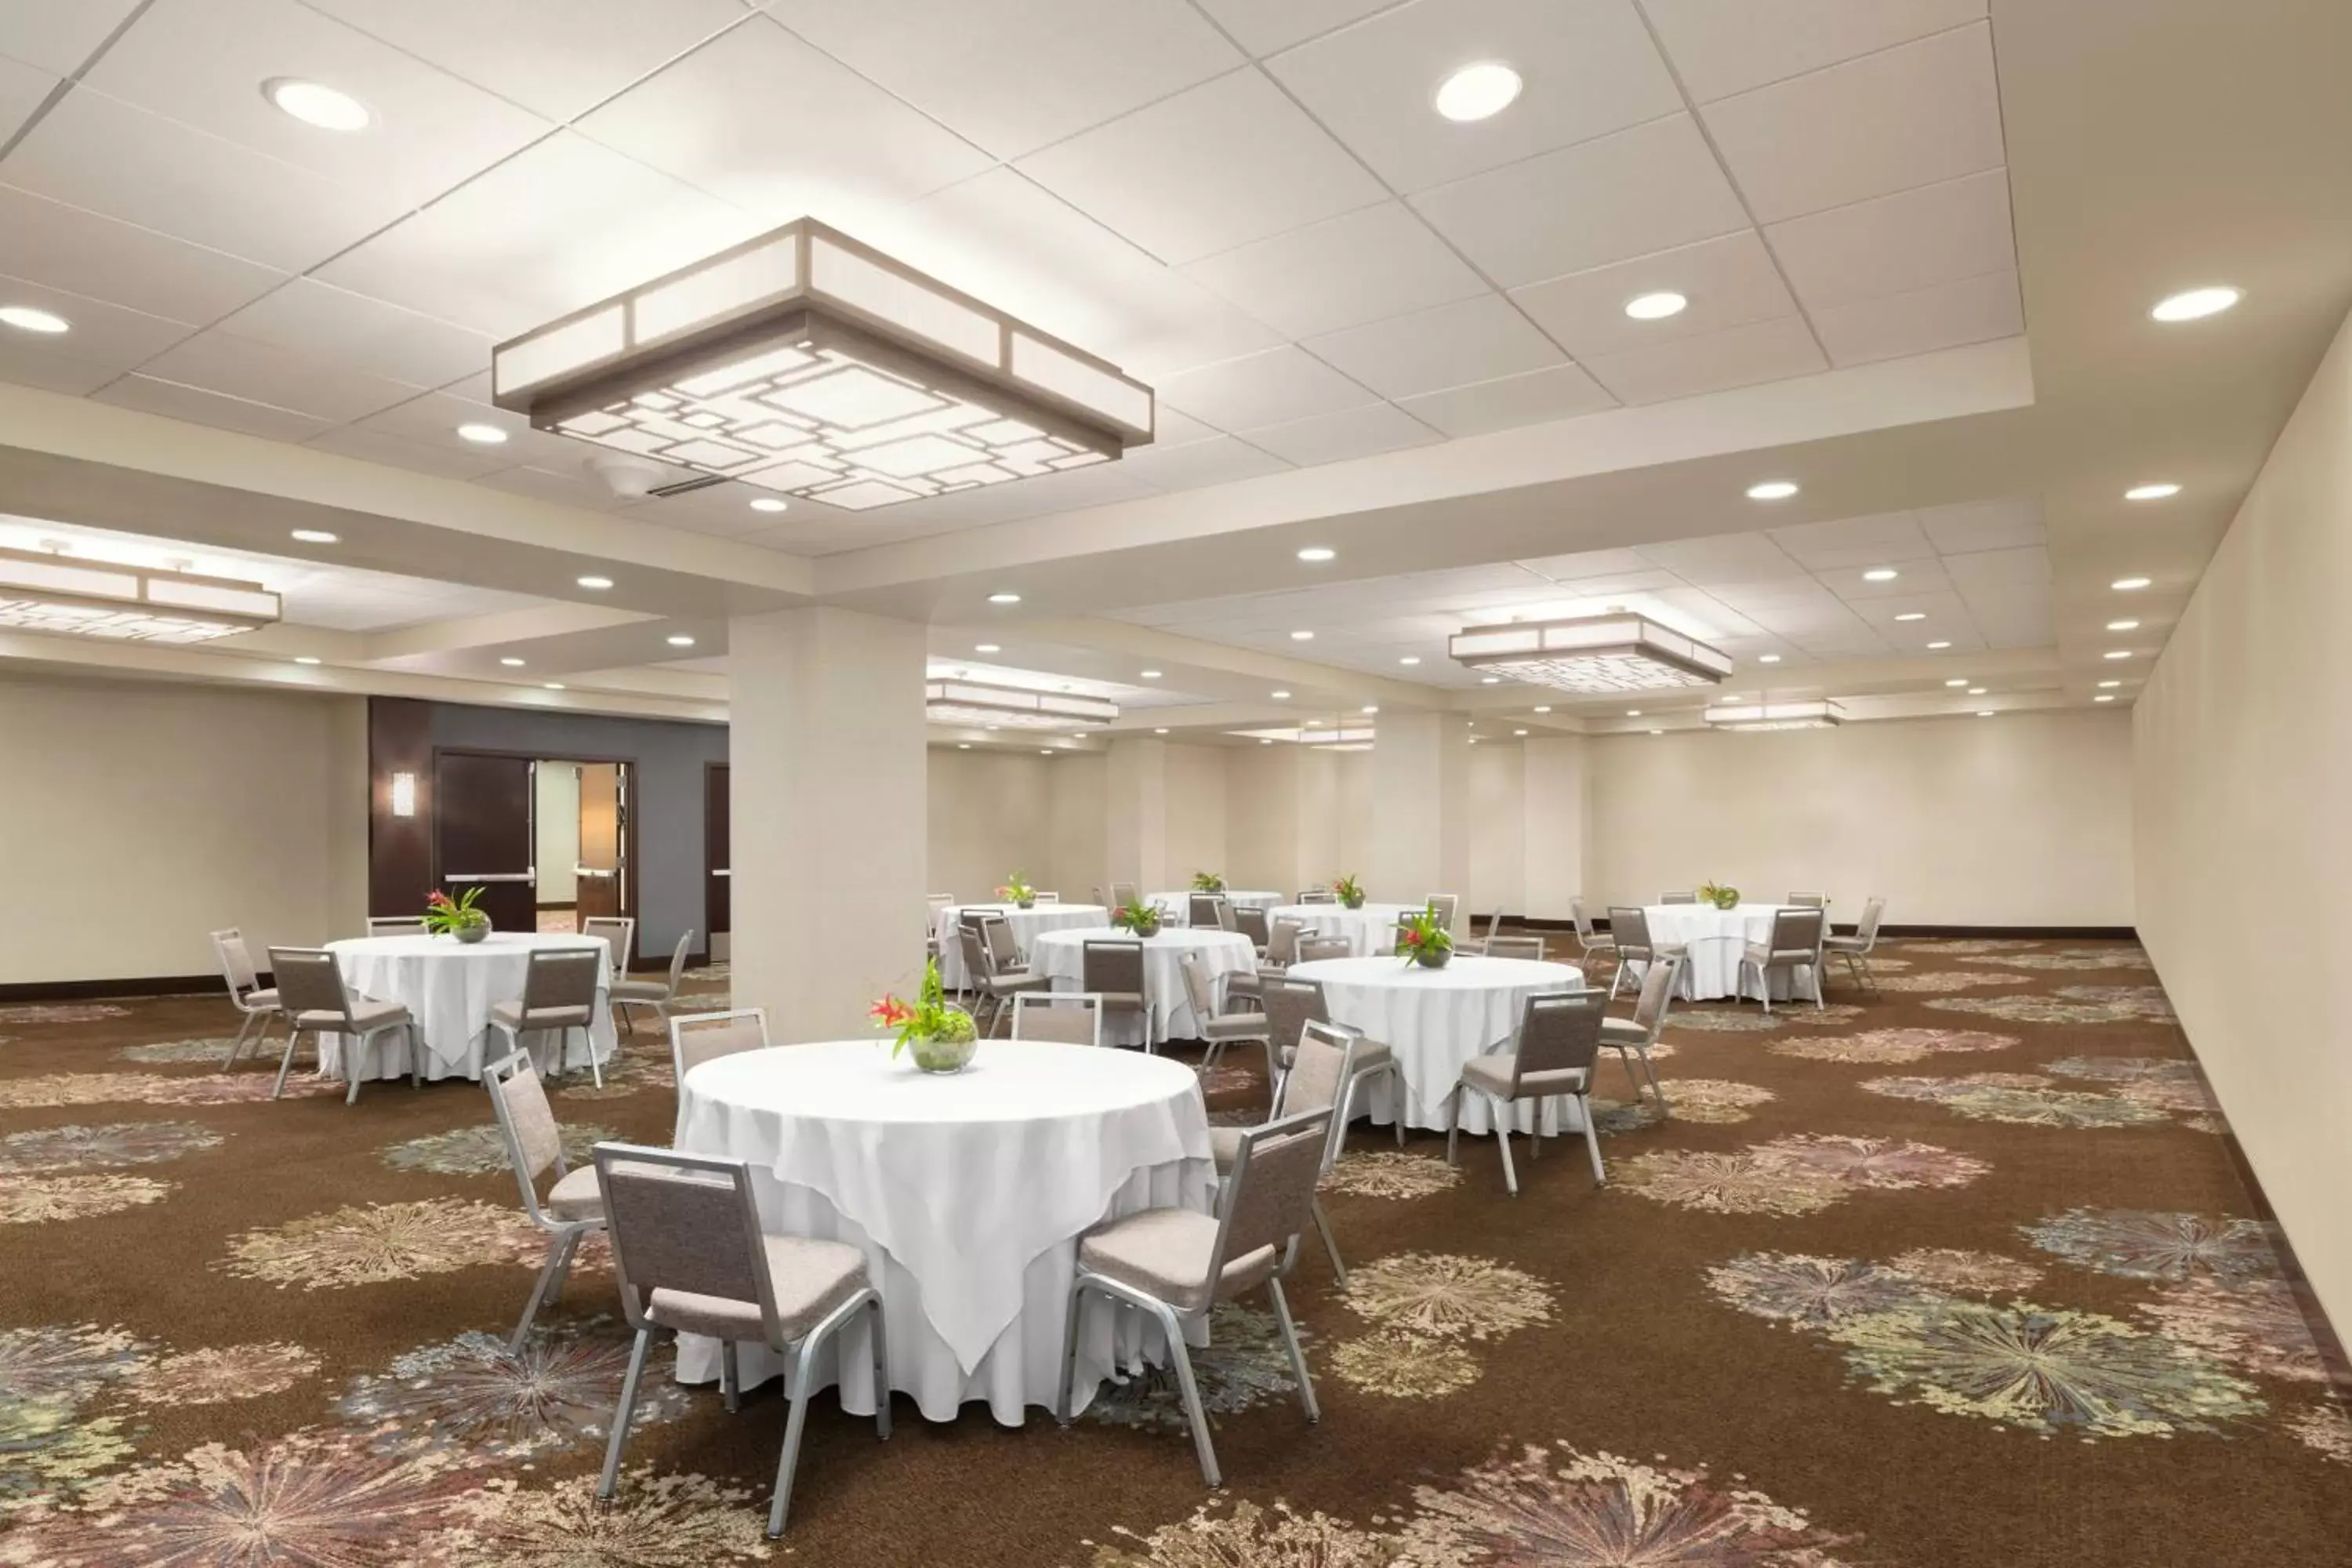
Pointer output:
2243, 764
991, 814
555, 819
1196, 813
139, 819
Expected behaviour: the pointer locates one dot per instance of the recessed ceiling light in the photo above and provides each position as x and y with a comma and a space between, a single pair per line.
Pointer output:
1881, 574
1004, 598
1657, 732
1410, 658
2104, 697
1317, 552
1772, 490
1490, 680
1633, 713
2195, 304
1544, 709
2151, 492
1043, 752
1984, 712
511, 663
1937, 646
482, 435
1767, 658
2116, 653
1976, 691
555, 686
963, 745
1281, 696
1518, 732
2106, 684
1268, 743
599, 583
1957, 681
1302, 636
989, 728
2128, 584
1477, 91
1150, 675
1159, 732
304, 658
1315, 723
316, 536
2123, 625
1656, 307
681, 641
1912, 616
314, 103
25, 319
771, 503
1369, 708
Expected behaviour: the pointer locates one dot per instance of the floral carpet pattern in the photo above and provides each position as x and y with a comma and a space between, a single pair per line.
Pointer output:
1980, 1224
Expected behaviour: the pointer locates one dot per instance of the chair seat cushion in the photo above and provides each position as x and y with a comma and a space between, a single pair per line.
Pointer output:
811, 1279
1247, 983
1005, 982
1759, 953
366, 1017
1230, 1026
1123, 1001
576, 1197
261, 1001
1846, 943
640, 990
1165, 1253
1492, 1074
1624, 1031
512, 1016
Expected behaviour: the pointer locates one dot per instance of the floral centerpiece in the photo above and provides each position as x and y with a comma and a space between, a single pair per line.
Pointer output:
940, 1033
1017, 892
459, 917
1141, 917
1721, 897
1349, 891
1208, 882
1422, 939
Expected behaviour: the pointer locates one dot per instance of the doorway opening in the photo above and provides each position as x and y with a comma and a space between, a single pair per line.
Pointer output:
550, 840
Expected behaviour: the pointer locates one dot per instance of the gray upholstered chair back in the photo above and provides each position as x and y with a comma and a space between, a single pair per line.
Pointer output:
1228, 918
1315, 949
309, 983
1200, 910
970, 918
1061, 1017
698, 1038
235, 962
1559, 1033
1270, 1197
1678, 895
975, 952
1317, 896
1282, 941
1658, 992
534, 1140
395, 925
1291, 1006
1251, 922
1445, 904
683, 1222
1001, 949
1111, 967
1871, 912
1123, 895
1515, 947
1631, 927
1044, 898
1796, 934
1200, 985
617, 933
1320, 1071
1810, 900
1582, 916
560, 980
678, 957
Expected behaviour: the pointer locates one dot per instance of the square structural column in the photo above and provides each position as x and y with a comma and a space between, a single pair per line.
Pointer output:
827, 797
1557, 816
1420, 808
1138, 815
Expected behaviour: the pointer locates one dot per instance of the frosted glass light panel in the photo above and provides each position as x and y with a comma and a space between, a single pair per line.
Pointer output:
73, 596
1011, 707
1594, 654
1777, 716
809, 364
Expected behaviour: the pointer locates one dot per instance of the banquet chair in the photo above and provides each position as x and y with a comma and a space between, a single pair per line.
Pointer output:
256, 1006
997, 932
1550, 1057
1218, 1029
658, 994
1281, 945
1515, 947
1809, 900
559, 994
698, 1038
1679, 896
1317, 896
937, 904
1122, 895
1633, 1037
1629, 927
1326, 1053
1176, 1264
1228, 917
1065, 1017
1252, 924
534, 1143
1045, 898
1856, 949
619, 935
1112, 969
1494, 926
1201, 911
1445, 904
1589, 940
996, 984
1793, 943
395, 925
691, 1259
1315, 949
1291, 1006
312, 991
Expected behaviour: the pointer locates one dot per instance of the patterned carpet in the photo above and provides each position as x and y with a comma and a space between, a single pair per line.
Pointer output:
1955, 1278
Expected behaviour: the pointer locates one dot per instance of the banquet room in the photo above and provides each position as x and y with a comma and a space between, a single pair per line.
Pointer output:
1174, 783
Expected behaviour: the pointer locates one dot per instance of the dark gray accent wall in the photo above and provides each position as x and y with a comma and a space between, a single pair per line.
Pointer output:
669, 758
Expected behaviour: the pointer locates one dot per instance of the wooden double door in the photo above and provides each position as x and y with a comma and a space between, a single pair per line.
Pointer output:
485, 835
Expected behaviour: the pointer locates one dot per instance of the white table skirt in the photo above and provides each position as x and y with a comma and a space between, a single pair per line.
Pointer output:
449, 988
1715, 940
1027, 926
1061, 955
1178, 906
1435, 1020
1366, 930
968, 1193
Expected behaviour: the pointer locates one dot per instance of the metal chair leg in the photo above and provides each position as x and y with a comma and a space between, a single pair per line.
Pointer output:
1591, 1141
880, 1330
1331, 1242
355, 1050
620, 1415
731, 1392
540, 1294
1290, 1343
286, 1062
1202, 1448
788, 1462
236, 1046
589, 1036
1396, 1101
1453, 1121
1070, 1349
1503, 1140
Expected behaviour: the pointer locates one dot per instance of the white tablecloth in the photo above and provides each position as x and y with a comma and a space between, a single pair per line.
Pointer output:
1367, 929
968, 1193
1027, 926
449, 987
1061, 955
1436, 1020
1178, 906
1717, 939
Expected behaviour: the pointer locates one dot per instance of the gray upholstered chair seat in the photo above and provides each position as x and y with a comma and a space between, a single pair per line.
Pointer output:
1121, 1001
811, 1277
1847, 943
640, 991
365, 1017
258, 999
1493, 1075
1759, 953
513, 1016
1165, 1253
576, 1198
1613, 1030
1231, 1026
1225, 1146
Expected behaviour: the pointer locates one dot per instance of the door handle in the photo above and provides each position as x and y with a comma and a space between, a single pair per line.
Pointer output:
491, 877
593, 871
721, 873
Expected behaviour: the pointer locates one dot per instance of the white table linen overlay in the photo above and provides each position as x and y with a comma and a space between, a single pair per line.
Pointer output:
1061, 955
449, 988
1027, 926
1715, 939
1436, 1020
968, 1193
1366, 929
1177, 907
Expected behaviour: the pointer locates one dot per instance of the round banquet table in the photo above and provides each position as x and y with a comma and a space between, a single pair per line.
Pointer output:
1715, 939
1027, 925
1366, 929
1435, 1020
449, 987
968, 1193
1061, 955
1178, 906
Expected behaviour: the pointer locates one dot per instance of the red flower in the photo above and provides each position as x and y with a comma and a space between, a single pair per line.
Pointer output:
891, 1012
1413, 938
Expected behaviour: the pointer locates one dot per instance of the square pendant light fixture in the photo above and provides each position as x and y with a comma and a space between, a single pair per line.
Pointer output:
1338, 738
807, 363
77, 597
1752, 716
1011, 707
1598, 655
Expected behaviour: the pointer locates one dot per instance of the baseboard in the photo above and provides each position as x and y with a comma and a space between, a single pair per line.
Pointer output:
2041, 933
92, 990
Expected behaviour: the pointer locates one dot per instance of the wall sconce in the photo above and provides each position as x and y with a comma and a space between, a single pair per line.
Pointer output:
404, 794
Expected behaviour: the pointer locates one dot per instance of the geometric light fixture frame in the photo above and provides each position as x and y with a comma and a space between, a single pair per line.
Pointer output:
962, 701
1600, 655
74, 595
1756, 717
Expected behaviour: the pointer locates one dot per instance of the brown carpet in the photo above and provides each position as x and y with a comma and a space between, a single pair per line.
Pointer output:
1958, 1277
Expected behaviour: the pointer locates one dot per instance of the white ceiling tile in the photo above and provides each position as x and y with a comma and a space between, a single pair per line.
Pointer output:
1431, 351
1170, 429
111, 157
38, 361
1729, 282
1983, 525
562, 225
59, 35
203, 63
1589, 66
1361, 267
1899, 244
1973, 310
1723, 47
1906, 117
1219, 461
22, 88
199, 406
453, 460
220, 361
760, 119
1587, 564
1945, 611
2027, 565
102, 335
1853, 541
1912, 577
1262, 26
1271, 388
1216, 166
1648, 189
1727, 558
432, 419
66, 247
363, 335
558, 61
1768, 351
567, 487
1563, 392
1015, 75
1350, 433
